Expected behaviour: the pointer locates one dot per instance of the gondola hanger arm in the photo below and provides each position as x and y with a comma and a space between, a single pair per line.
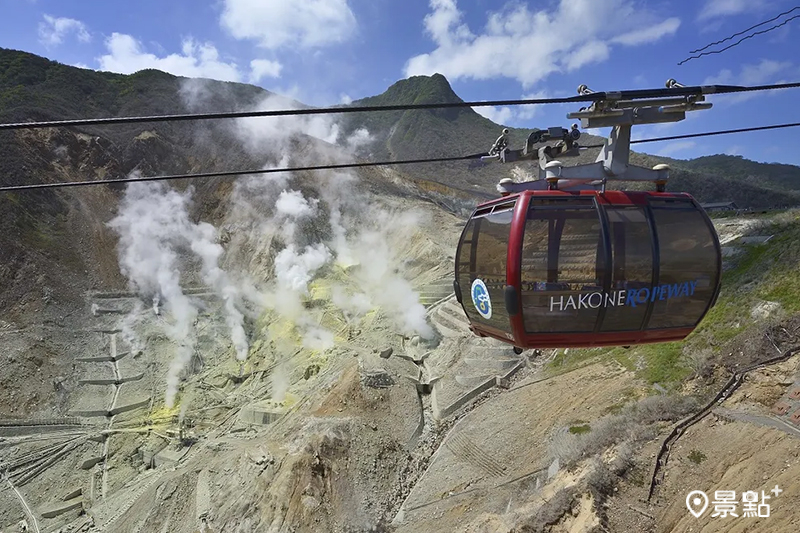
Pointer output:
615, 110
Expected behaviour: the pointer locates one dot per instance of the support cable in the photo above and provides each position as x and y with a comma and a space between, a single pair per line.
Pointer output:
744, 31
338, 166
636, 94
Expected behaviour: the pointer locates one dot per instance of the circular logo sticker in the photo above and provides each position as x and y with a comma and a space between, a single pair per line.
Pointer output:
480, 298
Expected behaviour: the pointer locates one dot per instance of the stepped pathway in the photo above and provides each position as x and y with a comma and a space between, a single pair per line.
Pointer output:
31, 427
116, 370
449, 318
478, 364
434, 293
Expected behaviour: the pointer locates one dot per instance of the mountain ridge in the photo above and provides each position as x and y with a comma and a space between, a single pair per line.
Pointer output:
36, 88
708, 178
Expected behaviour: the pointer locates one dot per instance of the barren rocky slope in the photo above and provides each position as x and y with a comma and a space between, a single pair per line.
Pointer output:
285, 354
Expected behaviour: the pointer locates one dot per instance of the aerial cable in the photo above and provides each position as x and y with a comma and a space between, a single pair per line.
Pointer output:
233, 173
720, 132
635, 94
739, 41
744, 31
339, 166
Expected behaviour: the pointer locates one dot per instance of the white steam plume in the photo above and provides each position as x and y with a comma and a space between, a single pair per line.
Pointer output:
128, 328
280, 382
353, 306
203, 244
154, 225
274, 133
295, 269
360, 232
377, 278
370, 246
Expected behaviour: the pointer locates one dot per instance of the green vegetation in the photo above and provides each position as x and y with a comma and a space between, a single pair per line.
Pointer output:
434, 133
628, 395
761, 273
447, 132
653, 363
34, 88
773, 175
580, 430
657, 363
696, 457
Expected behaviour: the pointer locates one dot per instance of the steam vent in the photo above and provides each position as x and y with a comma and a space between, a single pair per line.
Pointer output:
264, 412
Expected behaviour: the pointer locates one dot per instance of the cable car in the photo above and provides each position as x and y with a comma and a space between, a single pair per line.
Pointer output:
562, 262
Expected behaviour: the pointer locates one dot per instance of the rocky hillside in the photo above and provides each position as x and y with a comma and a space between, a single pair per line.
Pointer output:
285, 353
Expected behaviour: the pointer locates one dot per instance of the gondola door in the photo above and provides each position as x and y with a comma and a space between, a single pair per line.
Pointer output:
481, 269
563, 269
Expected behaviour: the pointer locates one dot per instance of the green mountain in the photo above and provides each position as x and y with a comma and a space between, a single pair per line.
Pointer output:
462, 131
420, 134
774, 176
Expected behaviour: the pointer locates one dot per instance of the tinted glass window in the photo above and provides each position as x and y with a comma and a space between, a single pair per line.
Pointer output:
562, 266
688, 265
631, 267
483, 254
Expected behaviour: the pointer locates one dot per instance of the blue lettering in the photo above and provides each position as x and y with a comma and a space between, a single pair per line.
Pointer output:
662, 292
684, 289
639, 298
630, 299
693, 284
656, 291
673, 290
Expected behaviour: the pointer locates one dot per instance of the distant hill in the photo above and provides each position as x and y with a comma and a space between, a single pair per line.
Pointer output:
462, 131
55, 240
41, 232
432, 133
776, 176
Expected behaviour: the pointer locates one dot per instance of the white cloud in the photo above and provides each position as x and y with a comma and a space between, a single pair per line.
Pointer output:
260, 68
763, 72
592, 52
279, 23
649, 34
768, 71
196, 61
513, 116
498, 115
54, 29
725, 8
530, 45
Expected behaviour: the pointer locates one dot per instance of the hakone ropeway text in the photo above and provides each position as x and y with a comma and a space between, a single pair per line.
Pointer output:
631, 297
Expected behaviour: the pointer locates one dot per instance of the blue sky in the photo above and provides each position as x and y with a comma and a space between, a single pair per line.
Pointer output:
324, 52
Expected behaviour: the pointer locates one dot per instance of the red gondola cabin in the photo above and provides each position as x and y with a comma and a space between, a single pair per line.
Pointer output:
543, 269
